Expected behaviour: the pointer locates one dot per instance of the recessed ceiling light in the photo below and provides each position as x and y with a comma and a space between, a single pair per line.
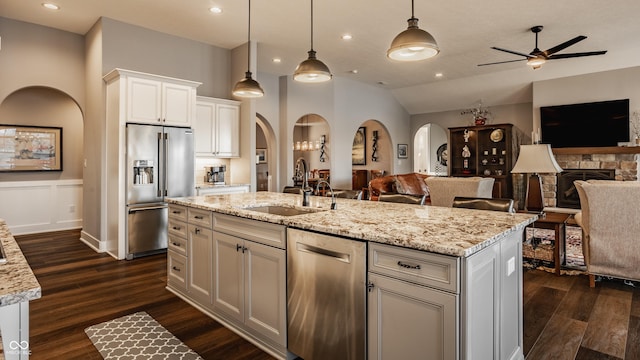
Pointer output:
346, 37
276, 60
216, 10
354, 71
382, 83
51, 6
439, 75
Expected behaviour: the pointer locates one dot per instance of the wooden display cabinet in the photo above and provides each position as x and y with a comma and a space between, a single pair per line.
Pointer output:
490, 152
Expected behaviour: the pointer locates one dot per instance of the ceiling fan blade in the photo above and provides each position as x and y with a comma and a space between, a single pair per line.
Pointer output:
512, 52
564, 45
580, 54
501, 62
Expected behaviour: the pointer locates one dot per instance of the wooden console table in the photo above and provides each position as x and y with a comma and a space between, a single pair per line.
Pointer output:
555, 221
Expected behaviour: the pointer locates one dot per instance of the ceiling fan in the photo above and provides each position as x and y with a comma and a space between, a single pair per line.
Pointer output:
536, 58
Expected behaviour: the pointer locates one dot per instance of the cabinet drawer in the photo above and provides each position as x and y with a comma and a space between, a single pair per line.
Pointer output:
200, 217
178, 212
177, 270
429, 269
177, 228
254, 230
178, 245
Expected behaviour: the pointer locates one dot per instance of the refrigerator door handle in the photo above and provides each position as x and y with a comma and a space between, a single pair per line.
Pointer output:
165, 162
160, 181
145, 208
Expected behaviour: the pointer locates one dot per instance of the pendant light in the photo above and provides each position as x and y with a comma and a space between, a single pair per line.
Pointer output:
247, 87
312, 69
413, 44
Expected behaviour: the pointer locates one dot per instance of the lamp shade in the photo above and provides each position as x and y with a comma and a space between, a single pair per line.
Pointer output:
312, 70
413, 44
248, 88
536, 158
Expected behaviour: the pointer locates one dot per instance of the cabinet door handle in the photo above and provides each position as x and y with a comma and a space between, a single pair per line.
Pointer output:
176, 228
176, 212
197, 231
176, 244
370, 286
409, 266
199, 217
238, 247
244, 249
176, 268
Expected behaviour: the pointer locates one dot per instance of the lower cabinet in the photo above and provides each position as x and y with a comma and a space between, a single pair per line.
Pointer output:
408, 321
250, 285
199, 265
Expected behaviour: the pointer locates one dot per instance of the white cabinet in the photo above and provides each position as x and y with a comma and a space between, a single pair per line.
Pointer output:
152, 99
250, 279
177, 248
406, 319
217, 127
200, 236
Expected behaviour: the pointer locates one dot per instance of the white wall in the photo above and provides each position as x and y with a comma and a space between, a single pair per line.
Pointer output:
345, 104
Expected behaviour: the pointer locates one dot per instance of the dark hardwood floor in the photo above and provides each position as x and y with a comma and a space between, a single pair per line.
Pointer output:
563, 317
81, 287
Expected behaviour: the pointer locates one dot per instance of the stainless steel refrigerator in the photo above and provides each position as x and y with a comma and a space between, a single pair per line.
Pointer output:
159, 164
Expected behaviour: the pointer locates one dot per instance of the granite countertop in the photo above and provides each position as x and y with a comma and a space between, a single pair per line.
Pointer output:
449, 231
17, 282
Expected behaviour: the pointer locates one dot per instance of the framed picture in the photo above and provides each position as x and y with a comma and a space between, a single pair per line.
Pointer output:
403, 151
261, 156
30, 148
359, 145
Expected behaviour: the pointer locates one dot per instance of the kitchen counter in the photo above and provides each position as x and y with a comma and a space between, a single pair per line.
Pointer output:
449, 231
18, 286
216, 189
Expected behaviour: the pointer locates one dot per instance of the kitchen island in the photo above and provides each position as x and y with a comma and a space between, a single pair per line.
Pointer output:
18, 286
469, 259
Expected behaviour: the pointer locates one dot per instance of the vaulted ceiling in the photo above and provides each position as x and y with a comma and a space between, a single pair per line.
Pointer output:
464, 29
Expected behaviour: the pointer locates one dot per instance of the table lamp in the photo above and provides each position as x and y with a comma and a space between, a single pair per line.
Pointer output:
535, 159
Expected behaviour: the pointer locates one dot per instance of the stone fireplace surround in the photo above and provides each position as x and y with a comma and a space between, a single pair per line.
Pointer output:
623, 161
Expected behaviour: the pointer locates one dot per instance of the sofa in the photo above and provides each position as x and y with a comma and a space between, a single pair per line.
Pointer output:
408, 188
442, 190
610, 222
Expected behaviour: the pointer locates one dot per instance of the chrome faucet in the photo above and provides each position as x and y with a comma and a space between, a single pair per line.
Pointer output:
333, 197
306, 190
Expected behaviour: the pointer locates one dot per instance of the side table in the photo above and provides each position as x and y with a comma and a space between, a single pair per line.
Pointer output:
555, 221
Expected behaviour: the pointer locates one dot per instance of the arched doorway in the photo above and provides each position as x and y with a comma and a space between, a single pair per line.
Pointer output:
430, 150
266, 156
372, 153
311, 142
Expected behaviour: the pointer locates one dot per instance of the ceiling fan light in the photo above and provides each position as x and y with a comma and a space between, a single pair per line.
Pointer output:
413, 44
248, 88
536, 62
312, 70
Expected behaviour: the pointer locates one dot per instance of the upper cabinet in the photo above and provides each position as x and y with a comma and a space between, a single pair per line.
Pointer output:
152, 99
217, 127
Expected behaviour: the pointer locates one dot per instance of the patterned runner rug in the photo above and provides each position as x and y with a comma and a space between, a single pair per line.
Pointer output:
137, 336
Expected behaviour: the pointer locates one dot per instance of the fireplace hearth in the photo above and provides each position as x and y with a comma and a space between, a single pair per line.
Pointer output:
567, 195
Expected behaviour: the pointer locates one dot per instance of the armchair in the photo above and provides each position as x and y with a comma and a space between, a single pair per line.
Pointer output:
610, 222
444, 189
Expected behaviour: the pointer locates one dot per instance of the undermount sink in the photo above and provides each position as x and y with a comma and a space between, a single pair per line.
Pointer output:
283, 210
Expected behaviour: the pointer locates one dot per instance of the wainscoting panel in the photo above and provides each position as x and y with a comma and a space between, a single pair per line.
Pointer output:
41, 206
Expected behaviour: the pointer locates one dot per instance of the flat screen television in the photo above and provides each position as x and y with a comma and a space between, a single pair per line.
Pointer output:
595, 124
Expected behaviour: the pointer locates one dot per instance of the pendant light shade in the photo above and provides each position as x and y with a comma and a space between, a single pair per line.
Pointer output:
312, 69
247, 87
413, 44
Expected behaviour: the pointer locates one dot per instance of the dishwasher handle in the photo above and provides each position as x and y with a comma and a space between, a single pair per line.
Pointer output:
346, 258
145, 208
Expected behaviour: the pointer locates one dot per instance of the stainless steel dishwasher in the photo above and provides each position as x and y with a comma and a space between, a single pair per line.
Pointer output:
326, 296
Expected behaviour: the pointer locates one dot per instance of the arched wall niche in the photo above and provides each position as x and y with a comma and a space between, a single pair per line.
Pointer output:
47, 107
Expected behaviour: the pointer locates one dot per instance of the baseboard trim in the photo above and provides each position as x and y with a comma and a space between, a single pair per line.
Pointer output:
92, 242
